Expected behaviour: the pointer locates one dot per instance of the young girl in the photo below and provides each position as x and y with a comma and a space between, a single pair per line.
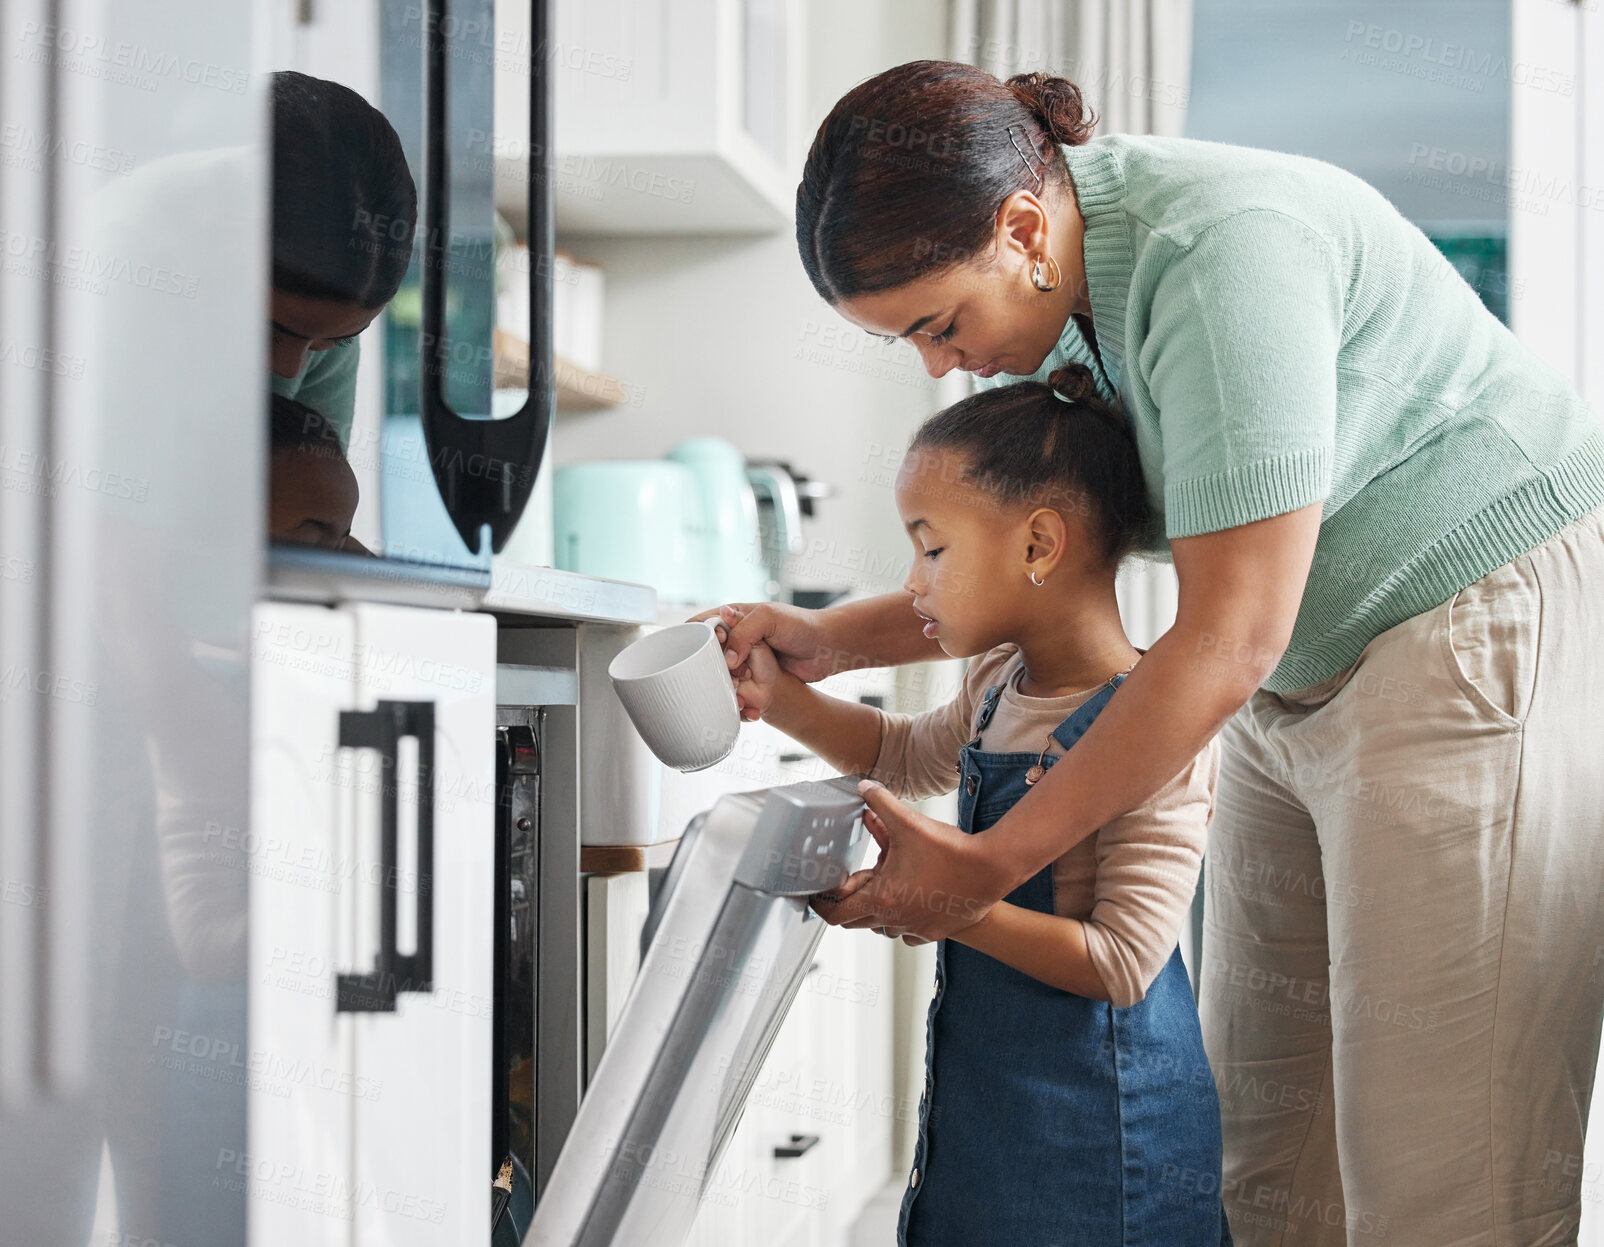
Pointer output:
1067, 1097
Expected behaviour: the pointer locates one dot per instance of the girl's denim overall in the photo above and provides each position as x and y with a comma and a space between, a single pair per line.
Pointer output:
1048, 1119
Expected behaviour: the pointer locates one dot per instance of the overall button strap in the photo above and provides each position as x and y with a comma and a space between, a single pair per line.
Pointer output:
988, 707
1074, 727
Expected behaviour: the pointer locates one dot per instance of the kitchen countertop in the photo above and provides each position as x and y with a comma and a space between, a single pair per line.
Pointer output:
617, 859
546, 591
508, 589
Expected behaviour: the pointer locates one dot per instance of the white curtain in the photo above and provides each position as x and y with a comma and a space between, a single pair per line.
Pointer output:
1132, 60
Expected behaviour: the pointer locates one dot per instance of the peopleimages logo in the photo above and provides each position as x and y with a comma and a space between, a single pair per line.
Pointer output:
20, 676
40, 359
1438, 60
119, 60
31, 146
479, 41
94, 268
30, 464
226, 1060
290, 1182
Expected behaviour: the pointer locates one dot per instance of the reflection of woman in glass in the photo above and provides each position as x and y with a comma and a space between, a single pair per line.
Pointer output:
344, 211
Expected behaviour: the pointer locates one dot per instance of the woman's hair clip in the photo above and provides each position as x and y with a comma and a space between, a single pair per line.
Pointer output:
1014, 139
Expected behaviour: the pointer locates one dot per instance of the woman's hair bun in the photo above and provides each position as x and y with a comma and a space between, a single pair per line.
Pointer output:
1057, 105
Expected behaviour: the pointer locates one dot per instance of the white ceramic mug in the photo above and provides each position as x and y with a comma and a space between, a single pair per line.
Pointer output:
676, 687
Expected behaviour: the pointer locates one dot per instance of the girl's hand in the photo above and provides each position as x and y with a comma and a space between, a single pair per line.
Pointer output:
755, 681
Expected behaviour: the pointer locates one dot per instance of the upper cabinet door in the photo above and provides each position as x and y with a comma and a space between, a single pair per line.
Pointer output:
422, 1135
672, 116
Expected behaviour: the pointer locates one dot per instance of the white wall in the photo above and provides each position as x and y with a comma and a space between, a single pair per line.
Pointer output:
1545, 209
1591, 261
1556, 267
724, 336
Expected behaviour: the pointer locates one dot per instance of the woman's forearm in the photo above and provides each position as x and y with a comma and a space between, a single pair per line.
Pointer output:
1165, 712
877, 632
845, 734
1050, 949
1239, 595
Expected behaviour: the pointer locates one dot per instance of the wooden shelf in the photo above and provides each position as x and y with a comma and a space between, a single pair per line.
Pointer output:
620, 859
578, 389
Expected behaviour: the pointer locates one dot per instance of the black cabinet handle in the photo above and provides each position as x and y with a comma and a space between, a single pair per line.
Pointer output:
382, 729
485, 469
800, 1145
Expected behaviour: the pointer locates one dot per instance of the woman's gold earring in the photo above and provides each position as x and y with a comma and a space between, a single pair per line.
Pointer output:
1041, 281
1034, 581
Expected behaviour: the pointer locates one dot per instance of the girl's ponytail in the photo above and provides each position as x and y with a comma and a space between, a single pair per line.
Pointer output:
1058, 445
1074, 383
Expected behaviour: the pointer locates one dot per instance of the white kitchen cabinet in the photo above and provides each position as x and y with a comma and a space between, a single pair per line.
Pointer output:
370, 1126
852, 998
299, 780
1556, 159
672, 116
615, 914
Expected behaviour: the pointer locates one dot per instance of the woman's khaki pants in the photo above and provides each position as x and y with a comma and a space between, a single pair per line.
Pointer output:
1403, 948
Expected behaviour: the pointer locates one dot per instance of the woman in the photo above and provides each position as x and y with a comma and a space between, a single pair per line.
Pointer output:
1384, 516
344, 212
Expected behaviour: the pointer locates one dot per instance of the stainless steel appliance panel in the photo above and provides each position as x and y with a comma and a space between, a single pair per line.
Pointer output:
729, 940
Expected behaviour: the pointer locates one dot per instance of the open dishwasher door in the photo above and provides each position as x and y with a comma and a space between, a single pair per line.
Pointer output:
728, 941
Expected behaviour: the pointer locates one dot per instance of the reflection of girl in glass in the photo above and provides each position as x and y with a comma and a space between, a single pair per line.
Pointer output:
344, 211
312, 492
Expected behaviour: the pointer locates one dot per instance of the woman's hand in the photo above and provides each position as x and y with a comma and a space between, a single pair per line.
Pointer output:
811, 644
795, 635
790, 635
877, 828
931, 879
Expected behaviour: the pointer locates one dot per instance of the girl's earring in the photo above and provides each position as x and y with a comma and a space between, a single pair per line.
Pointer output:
1034, 581
1041, 281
